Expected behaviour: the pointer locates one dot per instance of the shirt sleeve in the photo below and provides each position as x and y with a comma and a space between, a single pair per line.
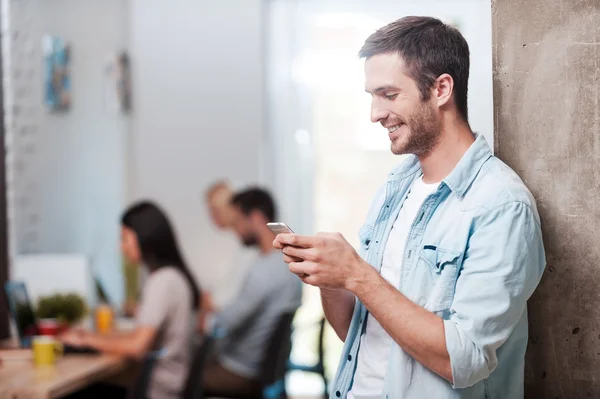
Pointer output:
155, 305
502, 266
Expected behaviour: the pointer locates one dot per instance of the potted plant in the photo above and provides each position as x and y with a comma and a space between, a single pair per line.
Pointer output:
56, 312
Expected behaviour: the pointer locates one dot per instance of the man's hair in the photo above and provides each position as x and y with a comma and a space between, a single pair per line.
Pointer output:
255, 199
429, 49
216, 187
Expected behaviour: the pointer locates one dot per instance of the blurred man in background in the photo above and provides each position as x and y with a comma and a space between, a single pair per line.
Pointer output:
268, 292
218, 200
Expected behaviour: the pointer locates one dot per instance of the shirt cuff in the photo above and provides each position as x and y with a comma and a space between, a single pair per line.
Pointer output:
468, 363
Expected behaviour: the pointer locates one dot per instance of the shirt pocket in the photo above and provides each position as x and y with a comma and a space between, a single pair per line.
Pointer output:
439, 270
364, 235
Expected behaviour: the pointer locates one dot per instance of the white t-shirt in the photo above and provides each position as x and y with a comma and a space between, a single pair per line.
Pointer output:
376, 343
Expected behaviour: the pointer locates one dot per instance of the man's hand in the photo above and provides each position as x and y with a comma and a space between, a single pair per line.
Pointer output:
207, 308
207, 303
326, 260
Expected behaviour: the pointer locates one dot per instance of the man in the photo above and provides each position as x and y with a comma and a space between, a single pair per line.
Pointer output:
218, 199
268, 292
452, 244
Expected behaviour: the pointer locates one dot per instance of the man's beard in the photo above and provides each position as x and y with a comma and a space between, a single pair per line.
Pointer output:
423, 135
250, 240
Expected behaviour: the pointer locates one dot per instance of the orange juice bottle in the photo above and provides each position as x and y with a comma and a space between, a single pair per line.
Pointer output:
104, 318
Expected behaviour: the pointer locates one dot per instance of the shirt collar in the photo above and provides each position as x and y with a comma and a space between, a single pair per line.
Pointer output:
463, 174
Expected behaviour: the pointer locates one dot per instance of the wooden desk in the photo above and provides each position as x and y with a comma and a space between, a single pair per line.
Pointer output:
20, 379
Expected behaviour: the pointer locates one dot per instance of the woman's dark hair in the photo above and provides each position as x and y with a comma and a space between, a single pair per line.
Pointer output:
157, 241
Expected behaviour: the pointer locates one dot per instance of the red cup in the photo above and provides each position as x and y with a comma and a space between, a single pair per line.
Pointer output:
51, 327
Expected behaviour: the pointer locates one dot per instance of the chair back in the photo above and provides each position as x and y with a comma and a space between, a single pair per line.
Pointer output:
141, 381
193, 386
276, 358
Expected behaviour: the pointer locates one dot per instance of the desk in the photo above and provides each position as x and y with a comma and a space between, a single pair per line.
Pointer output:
20, 379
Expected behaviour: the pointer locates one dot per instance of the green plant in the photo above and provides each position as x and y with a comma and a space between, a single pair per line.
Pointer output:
68, 308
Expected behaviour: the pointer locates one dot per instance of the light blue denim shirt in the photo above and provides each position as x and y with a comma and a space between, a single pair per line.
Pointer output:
474, 255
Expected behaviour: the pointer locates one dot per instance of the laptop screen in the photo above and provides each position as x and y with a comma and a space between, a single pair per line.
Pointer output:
21, 311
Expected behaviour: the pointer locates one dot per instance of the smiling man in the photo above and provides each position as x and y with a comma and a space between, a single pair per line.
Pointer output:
451, 249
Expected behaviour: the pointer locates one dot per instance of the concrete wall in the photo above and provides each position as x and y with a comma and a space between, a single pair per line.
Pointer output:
66, 171
199, 116
547, 127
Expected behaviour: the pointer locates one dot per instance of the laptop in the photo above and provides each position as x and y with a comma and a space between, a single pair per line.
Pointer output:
21, 312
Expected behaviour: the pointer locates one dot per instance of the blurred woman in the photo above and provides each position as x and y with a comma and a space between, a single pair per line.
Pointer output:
165, 312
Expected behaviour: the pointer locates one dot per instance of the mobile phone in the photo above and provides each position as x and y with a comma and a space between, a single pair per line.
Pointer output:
279, 228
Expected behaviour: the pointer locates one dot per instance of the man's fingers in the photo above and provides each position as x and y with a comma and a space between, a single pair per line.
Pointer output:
302, 268
309, 254
289, 259
296, 240
297, 268
308, 279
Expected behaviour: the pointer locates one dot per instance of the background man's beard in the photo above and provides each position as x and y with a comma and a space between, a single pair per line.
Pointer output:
250, 241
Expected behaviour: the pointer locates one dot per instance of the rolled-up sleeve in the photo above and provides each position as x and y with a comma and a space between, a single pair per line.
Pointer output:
502, 266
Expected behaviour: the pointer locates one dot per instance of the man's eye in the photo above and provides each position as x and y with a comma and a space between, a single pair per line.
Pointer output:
391, 96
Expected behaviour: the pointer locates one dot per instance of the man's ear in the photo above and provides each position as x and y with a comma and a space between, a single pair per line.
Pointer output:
257, 218
442, 90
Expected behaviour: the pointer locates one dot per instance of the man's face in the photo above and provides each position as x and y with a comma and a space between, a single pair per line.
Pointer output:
244, 227
220, 209
413, 125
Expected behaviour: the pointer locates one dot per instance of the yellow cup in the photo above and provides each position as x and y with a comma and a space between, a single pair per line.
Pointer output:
45, 350
104, 319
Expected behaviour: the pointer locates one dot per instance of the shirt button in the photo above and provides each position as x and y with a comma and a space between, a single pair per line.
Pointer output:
349, 358
338, 394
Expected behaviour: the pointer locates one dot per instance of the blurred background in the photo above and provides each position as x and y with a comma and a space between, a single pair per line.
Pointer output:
159, 99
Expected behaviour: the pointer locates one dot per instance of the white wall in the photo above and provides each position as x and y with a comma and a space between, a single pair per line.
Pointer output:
66, 170
198, 98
